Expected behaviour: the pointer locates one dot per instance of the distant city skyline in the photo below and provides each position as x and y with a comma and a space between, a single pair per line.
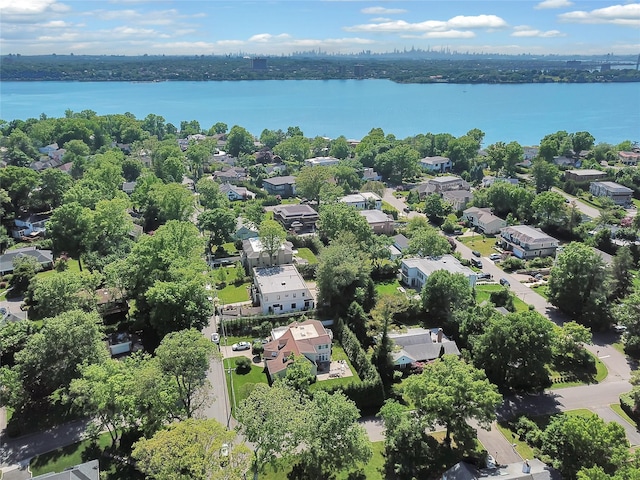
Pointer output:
185, 27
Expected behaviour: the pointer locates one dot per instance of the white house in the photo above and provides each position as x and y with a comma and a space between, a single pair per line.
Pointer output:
421, 345
280, 289
309, 339
484, 220
30, 226
415, 271
363, 201
321, 162
234, 192
370, 175
620, 194
436, 164
527, 242
254, 255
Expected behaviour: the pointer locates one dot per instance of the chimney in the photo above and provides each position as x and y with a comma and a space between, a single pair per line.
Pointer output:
440, 335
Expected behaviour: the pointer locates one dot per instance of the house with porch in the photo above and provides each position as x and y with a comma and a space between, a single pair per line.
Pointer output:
483, 220
280, 289
415, 271
527, 242
309, 339
420, 345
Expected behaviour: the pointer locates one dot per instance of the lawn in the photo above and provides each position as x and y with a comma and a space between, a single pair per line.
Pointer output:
388, 207
636, 202
577, 378
337, 353
542, 291
62, 458
387, 287
242, 383
307, 255
481, 243
618, 409
523, 449
483, 292
234, 293
72, 267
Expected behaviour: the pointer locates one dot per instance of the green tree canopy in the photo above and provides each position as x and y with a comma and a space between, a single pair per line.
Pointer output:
443, 293
336, 218
239, 140
310, 180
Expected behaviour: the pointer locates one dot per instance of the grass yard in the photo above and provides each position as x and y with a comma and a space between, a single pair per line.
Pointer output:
618, 409
577, 378
483, 292
542, 291
388, 207
337, 353
72, 267
307, 255
234, 293
482, 244
636, 202
230, 248
387, 287
59, 460
523, 449
243, 383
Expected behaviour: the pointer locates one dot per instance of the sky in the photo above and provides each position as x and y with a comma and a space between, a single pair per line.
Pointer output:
265, 27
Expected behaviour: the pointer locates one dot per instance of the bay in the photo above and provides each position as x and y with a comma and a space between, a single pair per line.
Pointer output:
521, 112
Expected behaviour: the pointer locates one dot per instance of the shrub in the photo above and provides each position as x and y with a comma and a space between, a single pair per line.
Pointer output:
257, 348
502, 298
512, 263
243, 365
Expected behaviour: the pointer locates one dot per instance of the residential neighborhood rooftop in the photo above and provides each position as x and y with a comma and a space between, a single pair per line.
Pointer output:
433, 264
528, 232
280, 180
278, 278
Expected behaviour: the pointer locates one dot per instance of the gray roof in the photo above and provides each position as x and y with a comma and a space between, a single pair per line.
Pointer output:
434, 160
85, 471
446, 262
287, 179
375, 216
279, 278
44, 257
422, 345
528, 233
446, 179
587, 172
295, 210
537, 470
400, 241
614, 187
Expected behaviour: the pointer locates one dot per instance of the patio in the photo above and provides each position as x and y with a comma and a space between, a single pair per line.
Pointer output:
336, 369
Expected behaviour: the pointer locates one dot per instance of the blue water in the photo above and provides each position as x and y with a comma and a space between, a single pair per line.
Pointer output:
525, 113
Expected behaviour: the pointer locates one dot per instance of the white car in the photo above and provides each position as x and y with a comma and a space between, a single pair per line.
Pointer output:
620, 328
215, 337
495, 256
240, 346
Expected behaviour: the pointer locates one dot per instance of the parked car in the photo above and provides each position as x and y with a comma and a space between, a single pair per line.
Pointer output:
620, 328
482, 276
476, 262
504, 282
476, 253
495, 256
215, 337
241, 346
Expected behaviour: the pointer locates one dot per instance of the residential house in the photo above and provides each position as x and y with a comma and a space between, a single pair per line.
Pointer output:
44, 258
254, 255
280, 289
530, 152
459, 199
129, 187
532, 469
283, 186
527, 242
245, 229
45, 163
620, 194
436, 164
400, 242
489, 180
296, 217
234, 192
484, 220
420, 345
363, 201
275, 169
66, 167
586, 175
370, 175
629, 159
30, 226
415, 271
321, 162
85, 471
233, 175
563, 161
309, 339
46, 150
110, 301
380, 222
440, 185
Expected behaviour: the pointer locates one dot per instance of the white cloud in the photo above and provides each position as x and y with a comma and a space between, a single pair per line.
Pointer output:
380, 19
382, 11
553, 4
30, 11
526, 31
625, 15
267, 37
444, 34
459, 22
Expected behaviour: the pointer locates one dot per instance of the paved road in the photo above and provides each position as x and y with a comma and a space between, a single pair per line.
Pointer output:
398, 203
584, 208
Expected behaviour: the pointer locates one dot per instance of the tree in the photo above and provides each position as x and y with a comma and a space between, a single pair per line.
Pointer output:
627, 313
210, 195
294, 149
578, 285
110, 226
333, 440
193, 450
514, 351
576, 441
19, 183
398, 163
568, 345
61, 292
450, 392
68, 227
54, 184
549, 208
239, 141
169, 202
274, 436
270, 138
339, 148
342, 275
299, 374
443, 293
179, 304
403, 428
52, 357
375, 187
336, 218
24, 270
582, 141
185, 357
383, 313
621, 273
219, 222
20, 151
435, 208
272, 236
310, 181
427, 242
218, 128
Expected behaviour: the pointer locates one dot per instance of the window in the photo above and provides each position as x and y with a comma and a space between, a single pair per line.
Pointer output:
303, 294
294, 295
293, 305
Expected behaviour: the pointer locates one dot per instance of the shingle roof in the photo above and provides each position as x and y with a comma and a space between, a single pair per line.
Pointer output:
43, 257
